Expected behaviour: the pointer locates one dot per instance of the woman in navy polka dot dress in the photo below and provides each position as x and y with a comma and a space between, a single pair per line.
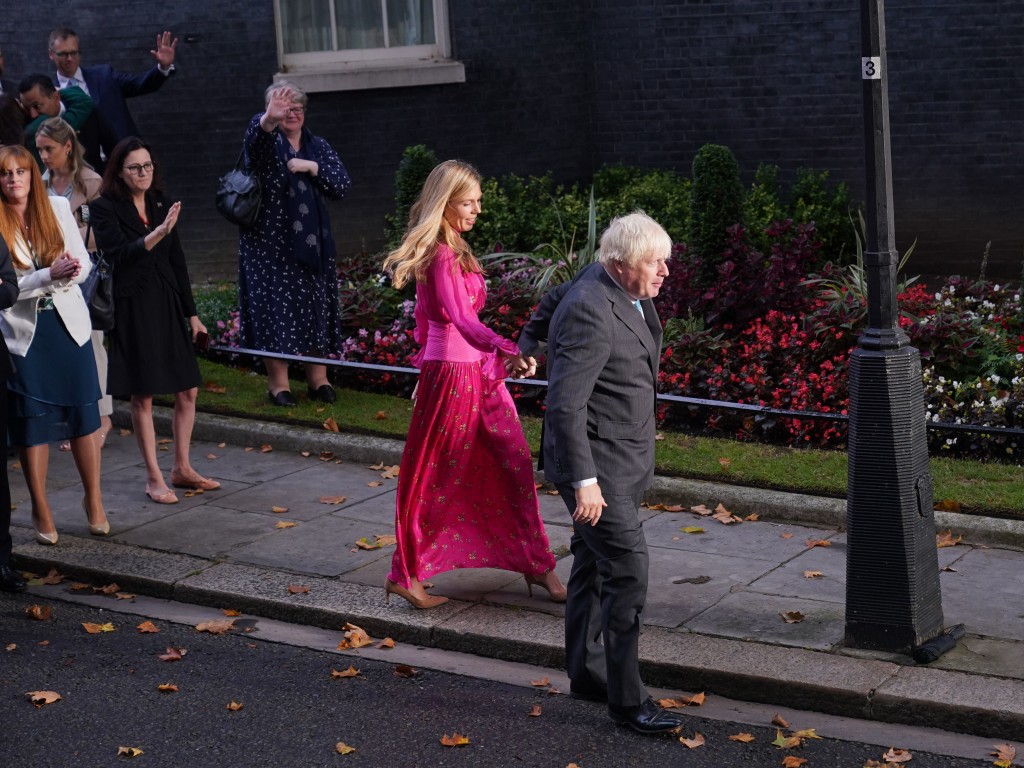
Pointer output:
287, 274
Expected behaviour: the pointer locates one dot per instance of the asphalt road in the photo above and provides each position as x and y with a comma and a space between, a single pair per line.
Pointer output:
293, 713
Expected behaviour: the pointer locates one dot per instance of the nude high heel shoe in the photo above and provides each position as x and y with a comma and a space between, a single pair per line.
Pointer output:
557, 594
430, 601
96, 530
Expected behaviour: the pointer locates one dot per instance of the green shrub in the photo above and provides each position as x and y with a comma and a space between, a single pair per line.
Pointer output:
416, 164
215, 302
810, 199
662, 195
717, 205
518, 214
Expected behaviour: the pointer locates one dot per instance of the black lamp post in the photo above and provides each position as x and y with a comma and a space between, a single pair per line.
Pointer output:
893, 600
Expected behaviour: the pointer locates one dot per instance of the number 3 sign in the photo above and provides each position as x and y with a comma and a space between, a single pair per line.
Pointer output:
871, 68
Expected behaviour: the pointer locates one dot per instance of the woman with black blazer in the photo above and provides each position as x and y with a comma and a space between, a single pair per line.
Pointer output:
10, 579
151, 345
54, 389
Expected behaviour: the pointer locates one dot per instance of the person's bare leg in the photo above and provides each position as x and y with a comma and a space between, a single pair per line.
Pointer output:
86, 451
182, 423
35, 461
277, 375
316, 375
145, 436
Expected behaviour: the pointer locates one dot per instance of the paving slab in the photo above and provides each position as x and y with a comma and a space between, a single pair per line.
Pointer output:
206, 531
757, 617
985, 593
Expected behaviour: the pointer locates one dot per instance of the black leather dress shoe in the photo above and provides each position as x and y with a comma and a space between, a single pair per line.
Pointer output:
324, 393
647, 718
588, 693
284, 397
10, 580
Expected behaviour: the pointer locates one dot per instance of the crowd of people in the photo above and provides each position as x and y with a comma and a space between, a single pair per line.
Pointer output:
466, 494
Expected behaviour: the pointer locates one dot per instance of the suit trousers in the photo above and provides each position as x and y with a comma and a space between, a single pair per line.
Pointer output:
606, 594
5, 487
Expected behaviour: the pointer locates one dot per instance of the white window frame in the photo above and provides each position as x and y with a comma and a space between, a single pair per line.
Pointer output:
364, 68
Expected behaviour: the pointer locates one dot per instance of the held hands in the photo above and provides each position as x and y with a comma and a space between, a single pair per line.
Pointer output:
518, 367
65, 267
165, 49
589, 503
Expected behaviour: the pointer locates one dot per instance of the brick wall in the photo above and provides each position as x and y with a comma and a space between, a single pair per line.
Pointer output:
561, 86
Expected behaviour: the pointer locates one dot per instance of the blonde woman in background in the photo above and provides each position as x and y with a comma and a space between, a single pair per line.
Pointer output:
68, 175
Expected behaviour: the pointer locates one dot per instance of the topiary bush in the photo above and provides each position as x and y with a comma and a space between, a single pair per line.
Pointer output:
416, 164
716, 205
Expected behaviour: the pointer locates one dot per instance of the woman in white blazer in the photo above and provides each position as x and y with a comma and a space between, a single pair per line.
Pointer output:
53, 393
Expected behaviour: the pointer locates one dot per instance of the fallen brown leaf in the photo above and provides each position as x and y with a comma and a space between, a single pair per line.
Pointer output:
542, 683
279, 510
129, 752
215, 389
12, 647
813, 574
947, 505
333, 500
753, 517
780, 721
147, 627
350, 672
285, 524
212, 456
331, 425
785, 742
792, 617
792, 761
455, 740
230, 612
387, 642
744, 737
326, 456
79, 586
343, 749
897, 756
39, 612
696, 741
124, 595
947, 539
375, 484
42, 698
535, 711
167, 688
811, 543
235, 706
266, 448
216, 626
297, 589
109, 589
51, 578
700, 509
95, 629
1004, 755
785, 535
404, 670
724, 463
172, 654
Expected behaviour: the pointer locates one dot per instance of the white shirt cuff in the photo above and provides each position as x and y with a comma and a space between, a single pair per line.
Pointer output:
584, 483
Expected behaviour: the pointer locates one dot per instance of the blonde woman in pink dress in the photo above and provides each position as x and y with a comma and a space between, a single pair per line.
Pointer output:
466, 496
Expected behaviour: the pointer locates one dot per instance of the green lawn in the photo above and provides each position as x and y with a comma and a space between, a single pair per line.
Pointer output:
978, 488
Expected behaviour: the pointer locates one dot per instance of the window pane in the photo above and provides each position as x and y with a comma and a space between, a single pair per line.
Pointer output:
305, 25
410, 22
360, 23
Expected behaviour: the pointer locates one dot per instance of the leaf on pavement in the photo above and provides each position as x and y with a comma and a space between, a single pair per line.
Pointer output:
129, 752
172, 654
216, 626
455, 740
326, 456
51, 578
753, 517
1004, 755
813, 574
947, 539
744, 737
365, 543
700, 509
542, 683
387, 642
285, 524
692, 529
375, 484
12, 647
297, 589
167, 688
78, 586
110, 589
279, 510
39, 612
670, 703
95, 629
235, 706
147, 627
535, 711
350, 672
780, 721
792, 761
343, 749
792, 617
333, 500
806, 733
895, 756
785, 535
693, 701
391, 472
42, 698
124, 595
212, 456
331, 425
404, 670
811, 543
947, 505
696, 741
266, 448
786, 742
230, 612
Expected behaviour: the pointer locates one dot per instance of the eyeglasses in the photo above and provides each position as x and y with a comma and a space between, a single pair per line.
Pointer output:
138, 170
62, 55
295, 110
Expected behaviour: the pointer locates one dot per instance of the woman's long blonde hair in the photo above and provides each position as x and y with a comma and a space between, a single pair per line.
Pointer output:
451, 180
44, 230
59, 131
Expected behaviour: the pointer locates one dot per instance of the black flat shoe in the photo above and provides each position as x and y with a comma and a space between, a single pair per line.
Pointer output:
284, 397
647, 718
588, 693
10, 580
324, 393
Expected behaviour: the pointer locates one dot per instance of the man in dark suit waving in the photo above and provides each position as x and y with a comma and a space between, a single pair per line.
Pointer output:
604, 341
108, 87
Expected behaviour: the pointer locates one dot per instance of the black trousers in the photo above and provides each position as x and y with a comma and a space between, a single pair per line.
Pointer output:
606, 594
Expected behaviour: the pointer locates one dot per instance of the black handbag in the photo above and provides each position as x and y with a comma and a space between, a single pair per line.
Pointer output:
239, 195
98, 291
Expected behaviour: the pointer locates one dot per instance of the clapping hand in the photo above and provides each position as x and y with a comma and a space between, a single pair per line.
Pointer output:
170, 220
165, 50
65, 267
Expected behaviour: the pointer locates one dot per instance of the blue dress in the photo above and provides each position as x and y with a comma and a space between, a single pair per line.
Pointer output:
287, 277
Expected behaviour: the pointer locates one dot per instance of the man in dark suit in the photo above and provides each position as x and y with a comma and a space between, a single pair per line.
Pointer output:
604, 341
41, 100
6, 86
108, 87
10, 580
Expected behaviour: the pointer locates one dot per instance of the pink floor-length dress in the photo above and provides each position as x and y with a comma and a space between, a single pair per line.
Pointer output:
466, 495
